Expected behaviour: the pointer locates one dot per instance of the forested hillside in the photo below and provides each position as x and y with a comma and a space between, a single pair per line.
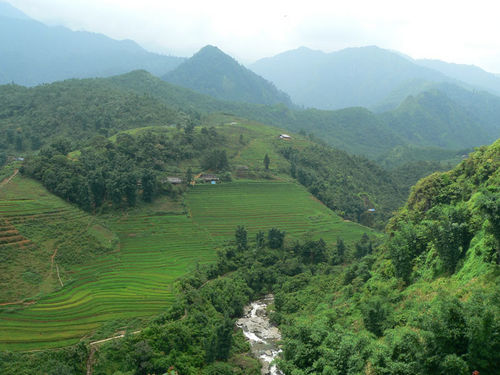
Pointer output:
210, 71
76, 109
424, 301
432, 118
133, 166
358, 130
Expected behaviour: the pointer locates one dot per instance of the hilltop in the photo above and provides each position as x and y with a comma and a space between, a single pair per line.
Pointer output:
212, 72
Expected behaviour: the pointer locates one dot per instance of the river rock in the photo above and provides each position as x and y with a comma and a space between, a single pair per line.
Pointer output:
261, 334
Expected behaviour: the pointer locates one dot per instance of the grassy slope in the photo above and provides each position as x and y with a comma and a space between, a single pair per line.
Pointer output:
159, 243
39, 234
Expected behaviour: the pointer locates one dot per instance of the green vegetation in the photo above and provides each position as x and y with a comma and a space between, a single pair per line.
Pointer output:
210, 71
158, 244
425, 302
195, 335
33, 117
42, 236
76, 109
352, 186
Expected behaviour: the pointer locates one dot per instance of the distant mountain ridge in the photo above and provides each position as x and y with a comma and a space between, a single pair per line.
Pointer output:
370, 76
458, 118
33, 53
212, 72
351, 77
469, 74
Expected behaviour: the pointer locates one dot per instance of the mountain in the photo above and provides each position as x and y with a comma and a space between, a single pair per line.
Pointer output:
356, 130
8, 11
78, 109
433, 119
33, 53
351, 77
469, 74
210, 71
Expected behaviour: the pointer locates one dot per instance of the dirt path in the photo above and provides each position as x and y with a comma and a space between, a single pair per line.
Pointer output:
7, 180
59, 277
52, 260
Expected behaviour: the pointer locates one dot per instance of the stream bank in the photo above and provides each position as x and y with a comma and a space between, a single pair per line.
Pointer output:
262, 335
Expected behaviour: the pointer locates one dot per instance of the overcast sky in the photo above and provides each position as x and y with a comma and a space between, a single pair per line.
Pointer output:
451, 30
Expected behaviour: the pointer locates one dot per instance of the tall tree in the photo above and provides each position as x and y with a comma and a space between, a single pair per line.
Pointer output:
266, 161
241, 237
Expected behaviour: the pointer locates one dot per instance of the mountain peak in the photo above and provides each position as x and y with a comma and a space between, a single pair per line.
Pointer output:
212, 52
212, 72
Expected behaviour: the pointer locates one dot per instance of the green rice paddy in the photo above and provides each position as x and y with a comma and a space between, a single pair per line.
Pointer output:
136, 280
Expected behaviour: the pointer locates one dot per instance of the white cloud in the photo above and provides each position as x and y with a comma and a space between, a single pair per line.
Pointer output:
458, 31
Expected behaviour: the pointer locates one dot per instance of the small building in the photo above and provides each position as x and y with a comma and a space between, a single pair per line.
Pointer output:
286, 137
209, 178
174, 180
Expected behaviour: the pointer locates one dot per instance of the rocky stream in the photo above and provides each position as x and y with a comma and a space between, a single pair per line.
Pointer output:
262, 335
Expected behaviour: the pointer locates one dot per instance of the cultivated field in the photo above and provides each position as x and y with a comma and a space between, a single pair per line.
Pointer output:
261, 205
135, 279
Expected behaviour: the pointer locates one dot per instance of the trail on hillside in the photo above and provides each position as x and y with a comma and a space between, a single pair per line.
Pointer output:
94, 347
52, 260
7, 179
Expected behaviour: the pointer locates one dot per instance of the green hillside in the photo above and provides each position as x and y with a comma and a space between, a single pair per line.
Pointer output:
80, 109
433, 119
424, 301
155, 248
77, 109
42, 237
210, 71
157, 242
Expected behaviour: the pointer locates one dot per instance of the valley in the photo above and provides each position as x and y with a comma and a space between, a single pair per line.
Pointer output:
155, 247
303, 213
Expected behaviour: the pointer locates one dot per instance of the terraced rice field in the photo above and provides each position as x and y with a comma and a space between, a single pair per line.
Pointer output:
136, 281
261, 205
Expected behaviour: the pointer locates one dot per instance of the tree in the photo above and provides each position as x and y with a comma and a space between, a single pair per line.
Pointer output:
275, 238
148, 182
266, 161
189, 176
340, 249
451, 236
260, 239
293, 170
489, 204
241, 237
375, 312
363, 246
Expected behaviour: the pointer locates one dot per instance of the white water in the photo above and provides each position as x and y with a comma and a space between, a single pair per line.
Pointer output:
261, 334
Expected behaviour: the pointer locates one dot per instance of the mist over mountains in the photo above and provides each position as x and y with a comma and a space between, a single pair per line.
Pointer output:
367, 76
33, 53
423, 103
